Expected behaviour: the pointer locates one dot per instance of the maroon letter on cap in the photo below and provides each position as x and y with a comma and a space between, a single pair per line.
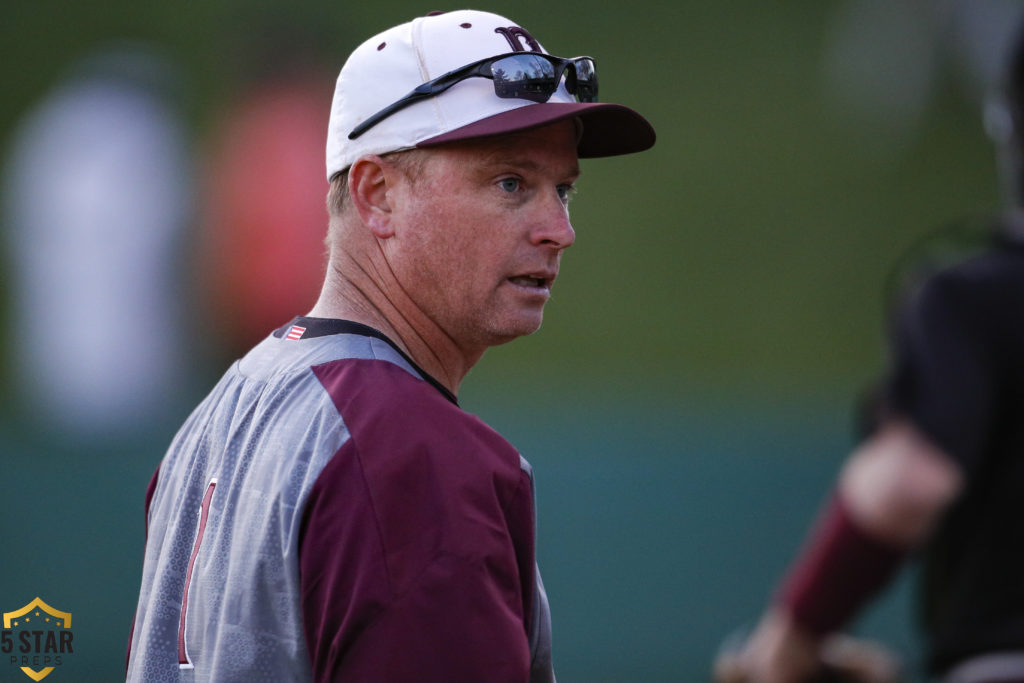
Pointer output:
514, 35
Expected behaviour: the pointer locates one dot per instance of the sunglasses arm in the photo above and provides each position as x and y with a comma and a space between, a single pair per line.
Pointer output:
420, 92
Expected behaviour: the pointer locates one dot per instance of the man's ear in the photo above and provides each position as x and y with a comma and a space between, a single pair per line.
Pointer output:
369, 181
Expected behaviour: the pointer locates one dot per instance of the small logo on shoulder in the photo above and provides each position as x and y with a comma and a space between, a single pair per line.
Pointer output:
37, 638
295, 332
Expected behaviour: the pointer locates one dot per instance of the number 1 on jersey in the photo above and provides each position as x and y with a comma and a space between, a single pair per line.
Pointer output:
204, 512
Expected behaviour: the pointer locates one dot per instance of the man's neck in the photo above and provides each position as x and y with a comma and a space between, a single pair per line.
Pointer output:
429, 347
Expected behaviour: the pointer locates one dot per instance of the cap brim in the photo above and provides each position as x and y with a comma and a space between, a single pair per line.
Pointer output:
608, 129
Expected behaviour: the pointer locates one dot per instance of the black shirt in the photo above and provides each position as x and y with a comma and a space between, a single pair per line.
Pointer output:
958, 374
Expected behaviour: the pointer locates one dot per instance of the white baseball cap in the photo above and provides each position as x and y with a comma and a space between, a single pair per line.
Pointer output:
390, 65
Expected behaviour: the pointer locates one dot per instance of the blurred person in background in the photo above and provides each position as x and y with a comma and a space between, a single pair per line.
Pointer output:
260, 243
97, 201
939, 474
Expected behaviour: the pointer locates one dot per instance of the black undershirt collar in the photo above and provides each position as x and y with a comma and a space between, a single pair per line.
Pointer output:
323, 327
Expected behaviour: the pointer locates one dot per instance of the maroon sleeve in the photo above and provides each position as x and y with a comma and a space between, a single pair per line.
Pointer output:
416, 550
840, 569
150, 490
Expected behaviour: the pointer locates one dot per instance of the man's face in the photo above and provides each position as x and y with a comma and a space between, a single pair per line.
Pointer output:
482, 230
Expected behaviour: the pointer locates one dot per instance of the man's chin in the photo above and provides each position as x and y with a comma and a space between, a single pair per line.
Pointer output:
523, 327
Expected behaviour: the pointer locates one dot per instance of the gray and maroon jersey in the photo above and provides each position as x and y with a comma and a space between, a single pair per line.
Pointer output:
329, 513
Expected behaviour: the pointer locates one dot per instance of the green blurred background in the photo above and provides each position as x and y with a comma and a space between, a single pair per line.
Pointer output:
691, 393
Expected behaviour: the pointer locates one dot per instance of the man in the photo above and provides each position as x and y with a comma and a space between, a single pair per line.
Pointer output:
941, 474
329, 512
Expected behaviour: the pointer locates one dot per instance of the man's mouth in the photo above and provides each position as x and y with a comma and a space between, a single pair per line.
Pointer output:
530, 281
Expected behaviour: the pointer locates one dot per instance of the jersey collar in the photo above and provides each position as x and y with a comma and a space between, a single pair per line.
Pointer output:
303, 327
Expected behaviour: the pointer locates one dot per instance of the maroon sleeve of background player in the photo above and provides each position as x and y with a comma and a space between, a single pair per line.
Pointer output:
412, 561
840, 568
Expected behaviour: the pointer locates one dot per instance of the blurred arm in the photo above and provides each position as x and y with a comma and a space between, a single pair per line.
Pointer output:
891, 492
897, 484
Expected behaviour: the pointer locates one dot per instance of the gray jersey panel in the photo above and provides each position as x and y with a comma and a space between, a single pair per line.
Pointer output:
264, 434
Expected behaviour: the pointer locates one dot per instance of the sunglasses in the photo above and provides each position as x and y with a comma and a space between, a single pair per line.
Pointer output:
530, 76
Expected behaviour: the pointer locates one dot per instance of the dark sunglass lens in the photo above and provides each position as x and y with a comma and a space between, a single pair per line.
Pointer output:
524, 76
586, 80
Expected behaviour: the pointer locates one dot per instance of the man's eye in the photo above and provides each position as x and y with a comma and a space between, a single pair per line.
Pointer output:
509, 184
565, 192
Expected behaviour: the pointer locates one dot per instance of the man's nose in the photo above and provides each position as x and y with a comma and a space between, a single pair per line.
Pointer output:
552, 227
